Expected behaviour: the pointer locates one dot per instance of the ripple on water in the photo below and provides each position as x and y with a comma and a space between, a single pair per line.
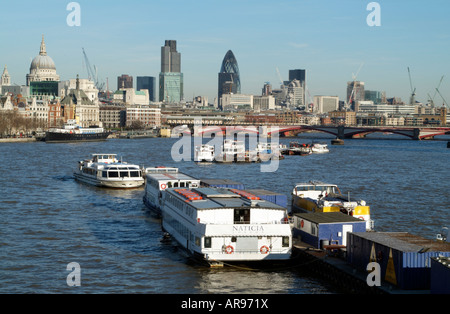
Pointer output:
49, 220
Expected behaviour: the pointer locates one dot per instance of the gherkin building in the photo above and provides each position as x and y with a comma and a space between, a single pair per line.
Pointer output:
229, 79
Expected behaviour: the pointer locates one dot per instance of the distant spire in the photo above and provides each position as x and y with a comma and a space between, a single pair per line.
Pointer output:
43, 51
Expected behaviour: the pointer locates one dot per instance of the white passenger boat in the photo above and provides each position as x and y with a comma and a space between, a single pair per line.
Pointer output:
158, 179
105, 170
204, 153
231, 151
269, 150
319, 148
220, 225
316, 196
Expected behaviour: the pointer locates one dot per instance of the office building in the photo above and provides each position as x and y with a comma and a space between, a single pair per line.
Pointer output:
148, 83
236, 101
229, 77
124, 81
355, 93
298, 74
323, 104
170, 77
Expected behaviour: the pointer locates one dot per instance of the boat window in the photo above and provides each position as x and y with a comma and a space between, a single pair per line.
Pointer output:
134, 174
175, 184
285, 242
104, 174
124, 174
207, 242
113, 174
181, 184
241, 216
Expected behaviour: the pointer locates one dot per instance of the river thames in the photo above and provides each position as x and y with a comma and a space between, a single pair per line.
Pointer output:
49, 220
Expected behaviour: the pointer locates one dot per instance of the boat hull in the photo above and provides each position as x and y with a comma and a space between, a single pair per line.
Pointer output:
58, 137
259, 251
115, 184
308, 205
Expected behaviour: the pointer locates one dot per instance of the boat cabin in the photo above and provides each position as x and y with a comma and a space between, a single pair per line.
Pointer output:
121, 171
221, 224
315, 189
161, 178
104, 158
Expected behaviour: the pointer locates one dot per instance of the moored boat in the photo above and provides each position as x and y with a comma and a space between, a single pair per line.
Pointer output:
319, 148
204, 153
158, 179
231, 151
72, 132
220, 225
105, 170
316, 196
296, 148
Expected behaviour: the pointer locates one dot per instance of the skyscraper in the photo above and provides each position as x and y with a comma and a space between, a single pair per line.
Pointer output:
300, 76
124, 81
170, 77
355, 92
147, 82
229, 78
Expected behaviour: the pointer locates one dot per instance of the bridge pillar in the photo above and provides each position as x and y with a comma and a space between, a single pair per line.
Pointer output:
341, 132
416, 135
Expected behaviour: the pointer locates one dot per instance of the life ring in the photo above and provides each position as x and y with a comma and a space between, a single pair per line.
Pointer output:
264, 249
163, 186
229, 249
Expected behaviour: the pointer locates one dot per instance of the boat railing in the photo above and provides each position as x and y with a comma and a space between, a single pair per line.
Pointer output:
245, 222
257, 251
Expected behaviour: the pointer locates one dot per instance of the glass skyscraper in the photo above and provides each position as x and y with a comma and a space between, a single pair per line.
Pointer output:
147, 82
170, 78
229, 79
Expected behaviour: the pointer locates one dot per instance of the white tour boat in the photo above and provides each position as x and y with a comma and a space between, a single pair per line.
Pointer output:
319, 148
231, 151
219, 225
316, 196
204, 153
158, 179
269, 150
105, 170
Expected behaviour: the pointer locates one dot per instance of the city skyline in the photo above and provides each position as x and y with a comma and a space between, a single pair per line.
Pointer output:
330, 40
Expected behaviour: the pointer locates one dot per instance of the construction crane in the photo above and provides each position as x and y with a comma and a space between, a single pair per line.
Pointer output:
354, 76
279, 77
413, 91
91, 74
437, 90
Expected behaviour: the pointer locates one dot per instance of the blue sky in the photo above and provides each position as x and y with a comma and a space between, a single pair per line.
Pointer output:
328, 38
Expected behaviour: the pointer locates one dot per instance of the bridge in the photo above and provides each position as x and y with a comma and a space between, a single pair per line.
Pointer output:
341, 132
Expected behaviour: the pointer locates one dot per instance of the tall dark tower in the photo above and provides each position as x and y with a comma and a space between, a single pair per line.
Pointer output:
170, 77
229, 79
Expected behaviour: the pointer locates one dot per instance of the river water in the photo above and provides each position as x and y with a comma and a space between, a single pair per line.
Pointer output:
49, 220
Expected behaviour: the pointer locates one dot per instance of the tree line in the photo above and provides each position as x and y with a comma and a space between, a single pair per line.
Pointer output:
13, 123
